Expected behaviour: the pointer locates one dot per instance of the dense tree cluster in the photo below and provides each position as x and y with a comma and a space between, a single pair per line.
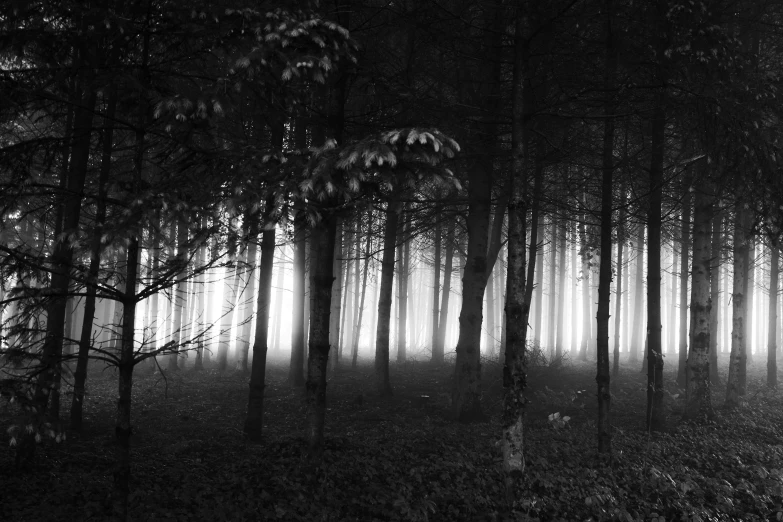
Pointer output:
585, 166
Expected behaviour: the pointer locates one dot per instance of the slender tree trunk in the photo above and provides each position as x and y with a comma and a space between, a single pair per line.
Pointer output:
436, 282
85, 339
296, 368
229, 299
385, 301
750, 336
552, 304
655, 392
277, 309
561, 298
322, 250
246, 319
603, 376
618, 316
672, 330
735, 385
254, 421
122, 429
489, 295
337, 298
199, 312
638, 336
586, 319
698, 399
715, 264
440, 342
357, 328
62, 256
539, 289
517, 308
772, 346
684, 255
180, 293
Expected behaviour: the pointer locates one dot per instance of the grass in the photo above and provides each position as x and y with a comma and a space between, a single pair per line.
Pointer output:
403, 458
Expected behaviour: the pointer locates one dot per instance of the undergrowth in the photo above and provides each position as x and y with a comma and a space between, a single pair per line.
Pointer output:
403, 459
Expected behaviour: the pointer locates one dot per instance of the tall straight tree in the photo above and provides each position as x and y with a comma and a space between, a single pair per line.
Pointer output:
603, 376
637, 333
698, 399
735, 385
685, 226
385, 301
403, 267
715, 271
772, 345
439, 347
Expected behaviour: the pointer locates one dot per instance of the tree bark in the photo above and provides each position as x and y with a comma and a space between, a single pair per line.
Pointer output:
539, 286
715, 264
684, 258
322, 251
357, 327
552, 304
603, 376
337, 298
440, 343
296, 368
698, 399
246, 319
618, 316
255, 401
637, 333
436, 281
735, 385
586, 319
229, 299
561, 298
85, 338
772, 346
180, 293
385, 301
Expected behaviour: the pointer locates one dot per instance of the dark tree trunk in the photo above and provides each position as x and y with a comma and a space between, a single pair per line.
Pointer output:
337, 298
684, 257
85, 339
180, 294
255, 401
552, 304
440, 342
715, 264
249, 292
605, 268
296, 368
735, 385
619, 289
436, 282
357, 327
385, 301
322, 252
698, 399
539, 287
637, 333
561, 298
772, 346
586, 319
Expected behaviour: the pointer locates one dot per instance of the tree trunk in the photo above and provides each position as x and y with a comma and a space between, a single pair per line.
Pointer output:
180, 294
561, 298
517, 308
122, 429
276, 309
655, 414
229, 299
296, 368
322, 251
618, 316
603, 377
715, 264
254, 421
586, 319
735, 385
772, 345
438, 348
385, 301
200, 318
750, 294
698, 399
539, 287
337, 298
62, 256
638, 338
246, 319
85, 339
684, 257
552, 304
436, 282
357, 327
672, 331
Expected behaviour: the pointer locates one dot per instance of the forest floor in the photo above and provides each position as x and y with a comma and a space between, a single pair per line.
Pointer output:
403, 458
